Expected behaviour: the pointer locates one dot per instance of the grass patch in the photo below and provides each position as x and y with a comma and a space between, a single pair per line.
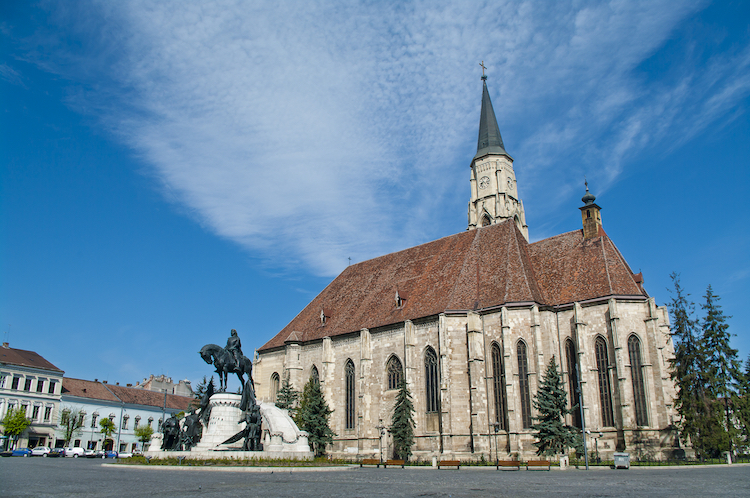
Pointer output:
232, 462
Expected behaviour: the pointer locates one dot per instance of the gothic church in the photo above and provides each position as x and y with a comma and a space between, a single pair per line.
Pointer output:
470, 321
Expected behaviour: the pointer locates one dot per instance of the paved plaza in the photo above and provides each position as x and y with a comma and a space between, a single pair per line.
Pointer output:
67, 477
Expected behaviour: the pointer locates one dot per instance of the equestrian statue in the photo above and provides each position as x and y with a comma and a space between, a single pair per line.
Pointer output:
229, 360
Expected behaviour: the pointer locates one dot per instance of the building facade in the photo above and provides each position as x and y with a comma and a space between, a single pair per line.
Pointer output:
471, 321
29, 381
127, 407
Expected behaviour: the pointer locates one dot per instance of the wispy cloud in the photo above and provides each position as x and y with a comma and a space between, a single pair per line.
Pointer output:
325, 130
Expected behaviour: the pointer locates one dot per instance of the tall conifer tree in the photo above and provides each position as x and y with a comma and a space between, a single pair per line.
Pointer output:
551, 401
723, 367
402, 423
313, 416
287, 397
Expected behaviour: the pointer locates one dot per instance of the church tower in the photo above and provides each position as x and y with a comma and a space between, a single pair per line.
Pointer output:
494, 193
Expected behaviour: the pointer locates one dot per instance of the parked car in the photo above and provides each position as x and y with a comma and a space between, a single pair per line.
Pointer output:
56, 452
42, 451
124, 454
24, 452
110, 454
93, 453
6, 453
73, 452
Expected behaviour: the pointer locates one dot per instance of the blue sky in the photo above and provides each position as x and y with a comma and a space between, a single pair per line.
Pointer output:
172, 170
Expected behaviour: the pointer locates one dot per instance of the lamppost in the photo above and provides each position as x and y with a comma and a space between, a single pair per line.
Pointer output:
496, 426
381, 433
596, 443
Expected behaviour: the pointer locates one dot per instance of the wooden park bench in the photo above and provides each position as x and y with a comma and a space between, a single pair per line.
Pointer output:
393, 463
449, 463
370, 461
509, 464
538, 464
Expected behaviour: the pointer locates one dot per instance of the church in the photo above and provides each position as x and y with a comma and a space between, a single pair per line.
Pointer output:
471, 321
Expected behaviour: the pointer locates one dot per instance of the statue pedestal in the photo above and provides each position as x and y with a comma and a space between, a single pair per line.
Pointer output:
223, 422
281, 437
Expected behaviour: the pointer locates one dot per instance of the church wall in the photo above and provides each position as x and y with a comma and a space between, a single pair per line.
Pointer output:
463, 344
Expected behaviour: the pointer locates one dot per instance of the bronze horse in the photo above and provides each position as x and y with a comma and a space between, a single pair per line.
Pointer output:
224, 362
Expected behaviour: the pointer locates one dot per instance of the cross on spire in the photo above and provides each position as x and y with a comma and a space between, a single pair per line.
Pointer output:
483, 68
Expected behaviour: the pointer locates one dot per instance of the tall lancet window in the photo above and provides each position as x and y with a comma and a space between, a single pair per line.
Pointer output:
274, 386
349, 409
636, 372
432, 389
395, 372
523, 385
314, 375
575, 396
605, 388
498, 388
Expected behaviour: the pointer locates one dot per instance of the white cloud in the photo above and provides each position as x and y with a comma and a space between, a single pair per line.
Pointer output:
323, 130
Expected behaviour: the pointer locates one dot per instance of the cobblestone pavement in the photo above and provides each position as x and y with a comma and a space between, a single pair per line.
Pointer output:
67, 477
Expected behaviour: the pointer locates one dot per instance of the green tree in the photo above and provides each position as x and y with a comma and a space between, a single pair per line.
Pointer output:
107, 428
402, 422
14, 423
71, 421
552, 434
687, 366
313, 416
741, 404
723, 368
287, 397
144, 433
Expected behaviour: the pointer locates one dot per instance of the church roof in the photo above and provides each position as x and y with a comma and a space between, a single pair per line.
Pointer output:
490, 141
483, 268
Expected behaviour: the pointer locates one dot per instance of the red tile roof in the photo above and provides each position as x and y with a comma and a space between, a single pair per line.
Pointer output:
25, 358
483, 268
108, 392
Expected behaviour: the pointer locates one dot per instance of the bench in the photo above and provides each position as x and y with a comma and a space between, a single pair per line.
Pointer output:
449, 463
393, 463
370, 461
515, 464
538, 464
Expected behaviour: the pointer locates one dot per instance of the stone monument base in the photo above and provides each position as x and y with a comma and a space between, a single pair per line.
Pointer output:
281, 437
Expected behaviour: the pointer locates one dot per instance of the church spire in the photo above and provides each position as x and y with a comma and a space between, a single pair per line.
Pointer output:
494, 193
490, 141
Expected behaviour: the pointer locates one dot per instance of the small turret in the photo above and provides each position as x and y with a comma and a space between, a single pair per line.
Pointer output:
590, 214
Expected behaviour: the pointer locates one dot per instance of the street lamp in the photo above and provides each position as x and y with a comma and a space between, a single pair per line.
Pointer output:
381, 433
496, 426
596, 443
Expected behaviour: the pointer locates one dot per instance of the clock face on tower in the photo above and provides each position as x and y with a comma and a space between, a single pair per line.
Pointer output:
484, 182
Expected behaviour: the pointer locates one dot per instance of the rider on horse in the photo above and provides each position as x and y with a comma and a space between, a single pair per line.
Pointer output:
234, 346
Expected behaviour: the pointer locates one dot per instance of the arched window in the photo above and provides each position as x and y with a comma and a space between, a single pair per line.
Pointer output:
523, 385
314, 375
125, 422
395, 372
274, 386
150, 421
137, 421
349, 376
94, 416
605, 390
575, 395
636, 373
498, 388
486, 221
432, 389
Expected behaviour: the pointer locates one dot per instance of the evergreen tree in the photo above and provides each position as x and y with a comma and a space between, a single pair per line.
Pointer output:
71, 421
552, 434
402, 423
741, 404
287, 397
14, 423
723, 367
312, 416
687, 365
